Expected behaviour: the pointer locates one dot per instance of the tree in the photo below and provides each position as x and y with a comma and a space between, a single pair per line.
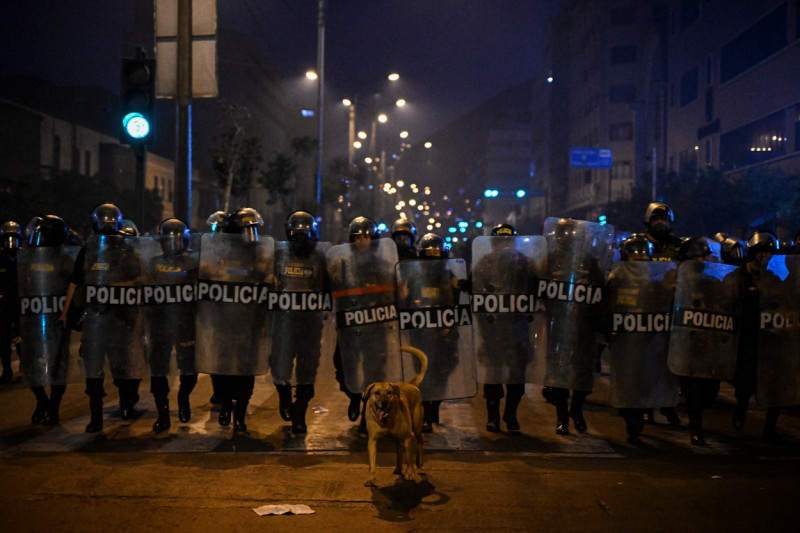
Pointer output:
280, 176
237, 157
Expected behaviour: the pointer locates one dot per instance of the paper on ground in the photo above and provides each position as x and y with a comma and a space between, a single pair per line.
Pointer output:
283, 509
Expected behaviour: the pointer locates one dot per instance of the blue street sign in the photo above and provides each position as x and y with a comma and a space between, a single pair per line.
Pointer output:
590, 157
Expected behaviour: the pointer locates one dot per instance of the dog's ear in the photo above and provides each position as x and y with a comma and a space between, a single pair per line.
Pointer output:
368, 391
396, 390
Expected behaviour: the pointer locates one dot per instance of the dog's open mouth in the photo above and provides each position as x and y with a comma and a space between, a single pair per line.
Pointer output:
381, 413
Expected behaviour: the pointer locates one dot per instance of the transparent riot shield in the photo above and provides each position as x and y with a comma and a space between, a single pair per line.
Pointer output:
302, 305
578, 261
505, 271
113, 324
434, 314
640, 303
363, 289
233, 326
704, 337
43, 276
169, 306
779, 333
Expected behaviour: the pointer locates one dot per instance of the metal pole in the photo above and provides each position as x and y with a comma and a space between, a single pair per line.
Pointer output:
320, 96
655, 173
183, 101
351, 138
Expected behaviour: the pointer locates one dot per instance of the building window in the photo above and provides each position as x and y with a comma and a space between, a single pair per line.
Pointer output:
624, 93
622, 16
709, 146
709, 107
170, 191
87, 163
76, 160
620, 131
687, 160
622, 170
753, 143
761, 40
622, 55
689, 86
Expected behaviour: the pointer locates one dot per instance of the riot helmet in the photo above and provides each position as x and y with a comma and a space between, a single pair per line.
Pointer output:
734, 251
404, 233
216, 221
129, 229
301, 226
74, 238
503, 229
658, 218
720, 236
362, 226
46, 230
761, 242
566, 230
106, 219
432, 246
175, 237
698, 247
637, 247
11, 234
245, 221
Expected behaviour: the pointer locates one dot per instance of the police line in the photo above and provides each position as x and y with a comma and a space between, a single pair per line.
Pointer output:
213, 291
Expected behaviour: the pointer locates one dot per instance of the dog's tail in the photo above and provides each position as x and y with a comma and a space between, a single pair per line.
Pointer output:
423, 364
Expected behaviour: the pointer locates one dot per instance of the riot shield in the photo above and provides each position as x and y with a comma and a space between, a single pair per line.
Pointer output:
704, 336
113, 323
168, 297
779, 333
505, 271
302, 304
640, 303
43, 276
233, 324
363, 289
578, 261
433, 310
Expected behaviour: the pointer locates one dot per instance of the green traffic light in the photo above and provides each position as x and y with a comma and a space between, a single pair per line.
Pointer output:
136, 125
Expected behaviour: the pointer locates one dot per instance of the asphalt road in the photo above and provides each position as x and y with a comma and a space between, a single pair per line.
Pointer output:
201, 477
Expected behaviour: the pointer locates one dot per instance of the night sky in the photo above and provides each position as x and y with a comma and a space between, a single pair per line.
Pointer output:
452, 55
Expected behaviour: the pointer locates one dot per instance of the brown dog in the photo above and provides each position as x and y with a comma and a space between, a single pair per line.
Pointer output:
394, 410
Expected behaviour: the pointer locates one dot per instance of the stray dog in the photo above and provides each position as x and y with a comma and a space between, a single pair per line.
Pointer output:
395, 410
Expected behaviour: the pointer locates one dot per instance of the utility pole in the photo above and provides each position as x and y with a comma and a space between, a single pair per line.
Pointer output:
320, 97
183, 101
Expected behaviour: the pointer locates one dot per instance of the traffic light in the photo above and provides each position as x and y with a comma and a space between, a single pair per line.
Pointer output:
138, 94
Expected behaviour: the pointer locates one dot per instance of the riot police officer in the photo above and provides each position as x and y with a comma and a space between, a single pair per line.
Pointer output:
659, 218
518, 339
108, 330
236, 389
298, 333
404, 234
44, 270
215, 223
699, 392
172, 325
10, 239
760, 247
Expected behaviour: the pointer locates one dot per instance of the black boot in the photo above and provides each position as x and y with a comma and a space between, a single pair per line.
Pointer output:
771, 424
672, 416
493, 415
435, 411
7, 374
56, 393
42, 402
354, 409
562, 418
284, 401
510, 412
427, 420
188, 382
162, 423
299, 418
698, 437
128, 397
740, 412
647, 416
633, 425
239, 412
96, 411
576, 409
225, 408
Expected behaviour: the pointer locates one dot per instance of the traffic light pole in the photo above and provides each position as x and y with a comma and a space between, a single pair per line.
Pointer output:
140, 152
183, 155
